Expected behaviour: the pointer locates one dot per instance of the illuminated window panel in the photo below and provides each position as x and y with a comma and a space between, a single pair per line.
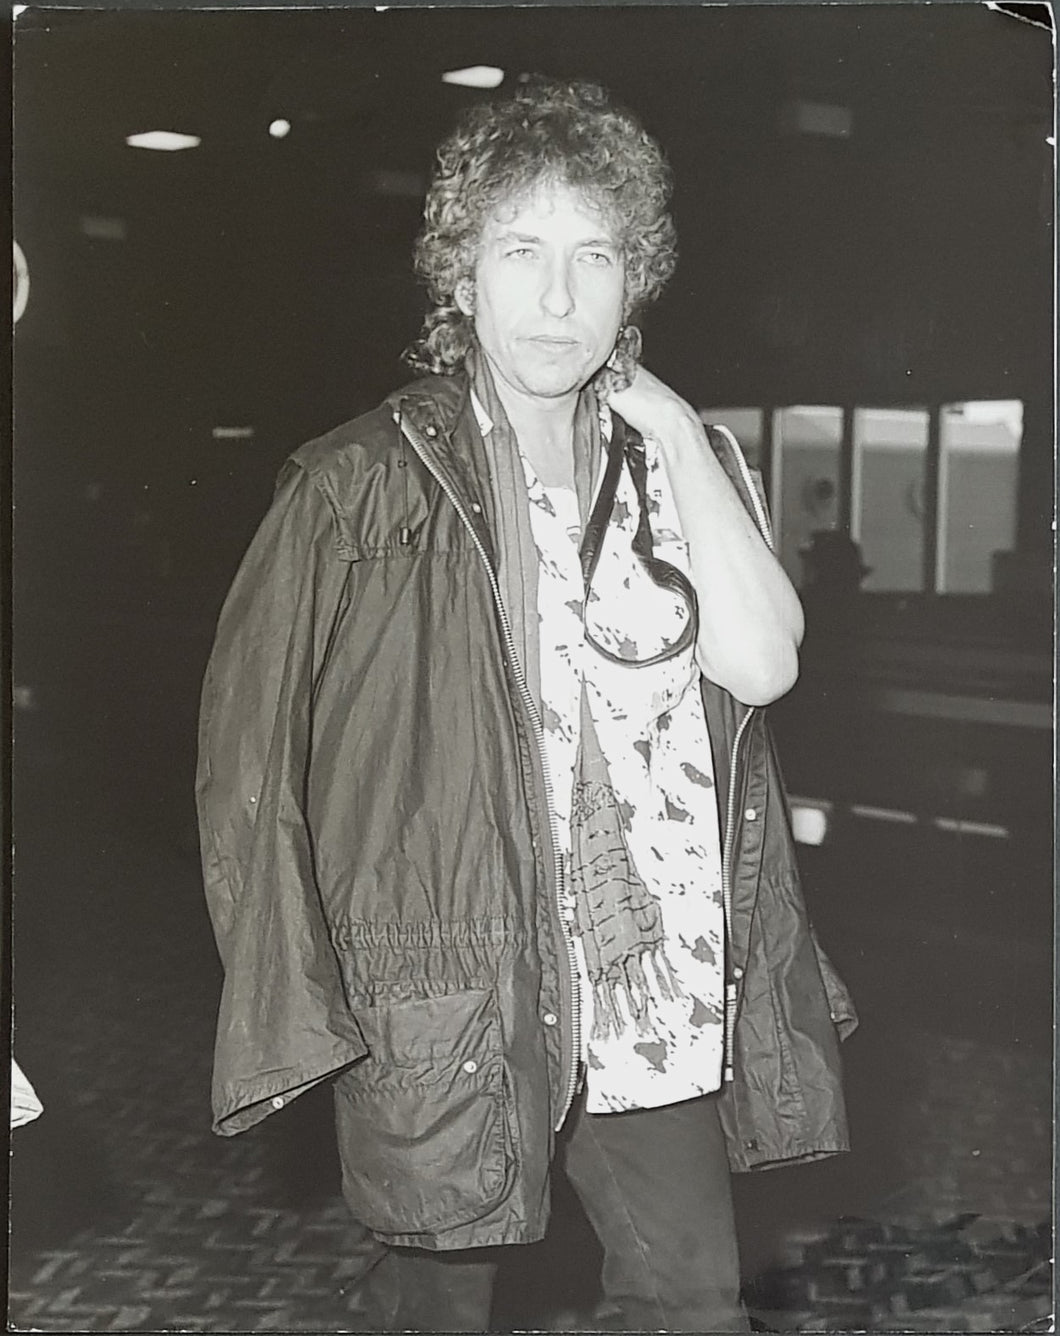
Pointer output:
979, 445
888, 474
807, 443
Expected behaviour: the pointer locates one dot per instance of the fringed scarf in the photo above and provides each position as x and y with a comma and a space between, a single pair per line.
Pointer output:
617, 918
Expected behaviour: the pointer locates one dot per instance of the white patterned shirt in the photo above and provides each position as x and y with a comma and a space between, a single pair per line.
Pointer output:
653, 734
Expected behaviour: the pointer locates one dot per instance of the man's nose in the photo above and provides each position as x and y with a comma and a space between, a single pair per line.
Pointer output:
557, 297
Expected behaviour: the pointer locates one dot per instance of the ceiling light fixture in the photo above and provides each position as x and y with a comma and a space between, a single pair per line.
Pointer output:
817, 118
280, 129
475, 76
167, 141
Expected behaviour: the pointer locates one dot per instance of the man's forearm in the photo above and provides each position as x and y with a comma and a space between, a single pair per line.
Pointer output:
750, 619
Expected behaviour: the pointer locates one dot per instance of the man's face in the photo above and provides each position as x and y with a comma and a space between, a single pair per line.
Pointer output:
548, 296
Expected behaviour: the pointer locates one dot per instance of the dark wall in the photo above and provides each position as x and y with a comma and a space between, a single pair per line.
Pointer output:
266, 282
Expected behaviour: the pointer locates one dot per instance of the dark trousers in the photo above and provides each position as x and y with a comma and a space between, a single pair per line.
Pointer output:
654, 1184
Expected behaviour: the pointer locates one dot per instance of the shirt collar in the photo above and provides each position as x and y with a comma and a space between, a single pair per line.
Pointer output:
485, 422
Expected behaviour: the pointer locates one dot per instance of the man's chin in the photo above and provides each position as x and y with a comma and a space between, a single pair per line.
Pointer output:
560, 384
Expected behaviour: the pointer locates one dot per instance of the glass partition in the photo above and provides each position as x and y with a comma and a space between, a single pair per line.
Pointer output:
978, 476
979, 444
807, 443
887, 488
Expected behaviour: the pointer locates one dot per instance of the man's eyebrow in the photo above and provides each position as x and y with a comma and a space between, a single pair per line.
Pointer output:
509, 234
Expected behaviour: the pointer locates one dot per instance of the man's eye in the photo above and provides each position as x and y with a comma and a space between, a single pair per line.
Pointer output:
521, 252
599, 257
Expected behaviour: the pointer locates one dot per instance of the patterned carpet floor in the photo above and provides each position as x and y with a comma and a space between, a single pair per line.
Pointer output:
129, 1215
971, 1273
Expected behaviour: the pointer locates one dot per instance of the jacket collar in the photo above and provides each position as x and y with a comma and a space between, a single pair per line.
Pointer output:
438, 417
433, 405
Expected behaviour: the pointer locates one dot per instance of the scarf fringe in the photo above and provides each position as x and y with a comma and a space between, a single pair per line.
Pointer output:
626, 994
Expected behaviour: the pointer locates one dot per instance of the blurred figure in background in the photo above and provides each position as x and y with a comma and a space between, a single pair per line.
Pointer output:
832, 569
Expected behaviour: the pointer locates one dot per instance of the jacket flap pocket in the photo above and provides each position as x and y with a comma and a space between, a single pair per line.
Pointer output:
413, 1031
426, 1134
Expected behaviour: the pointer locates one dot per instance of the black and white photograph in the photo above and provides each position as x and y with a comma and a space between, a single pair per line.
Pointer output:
530, 649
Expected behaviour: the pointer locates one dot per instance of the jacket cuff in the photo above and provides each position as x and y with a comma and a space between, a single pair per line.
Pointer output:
240, 1104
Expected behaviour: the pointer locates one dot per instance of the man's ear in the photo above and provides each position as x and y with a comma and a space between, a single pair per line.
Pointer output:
464, 296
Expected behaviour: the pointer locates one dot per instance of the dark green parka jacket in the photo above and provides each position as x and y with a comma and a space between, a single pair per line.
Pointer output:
378, 859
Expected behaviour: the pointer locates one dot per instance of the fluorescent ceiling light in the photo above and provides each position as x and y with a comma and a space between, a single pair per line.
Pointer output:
475, 76
102, 229
817, 118
168, 141
407, 185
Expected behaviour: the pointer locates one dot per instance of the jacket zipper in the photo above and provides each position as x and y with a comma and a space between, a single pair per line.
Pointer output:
423, 453
761, 518
766, 531
726, 891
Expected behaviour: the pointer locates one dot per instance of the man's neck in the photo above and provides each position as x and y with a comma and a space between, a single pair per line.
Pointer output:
545, 431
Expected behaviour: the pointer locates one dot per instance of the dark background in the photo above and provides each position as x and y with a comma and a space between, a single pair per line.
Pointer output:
265, 283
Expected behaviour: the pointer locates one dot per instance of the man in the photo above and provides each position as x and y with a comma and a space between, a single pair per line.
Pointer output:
492, 832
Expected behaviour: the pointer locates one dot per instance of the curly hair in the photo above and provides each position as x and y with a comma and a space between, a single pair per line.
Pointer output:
569, 133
